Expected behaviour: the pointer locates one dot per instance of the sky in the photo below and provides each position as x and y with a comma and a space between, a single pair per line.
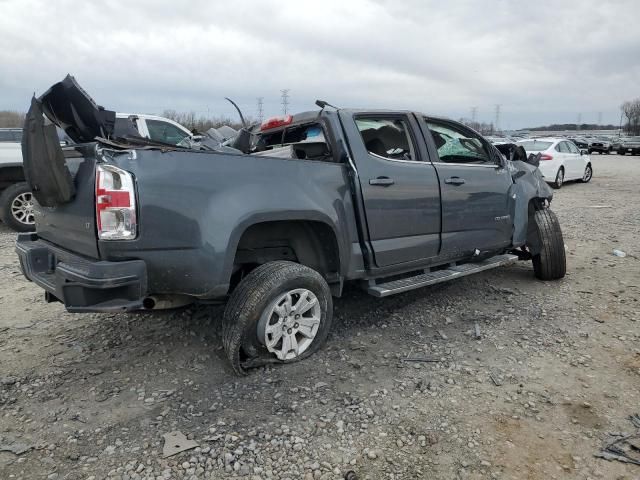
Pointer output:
542, 61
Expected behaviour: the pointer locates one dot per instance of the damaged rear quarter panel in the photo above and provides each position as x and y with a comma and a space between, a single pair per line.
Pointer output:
528, 185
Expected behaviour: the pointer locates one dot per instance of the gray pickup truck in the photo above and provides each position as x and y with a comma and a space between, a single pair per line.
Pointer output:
275, 221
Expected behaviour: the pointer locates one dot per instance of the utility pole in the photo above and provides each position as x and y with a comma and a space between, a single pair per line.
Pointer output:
260, 109
579, 121
474, 111
285, 100
497, 122
599, 118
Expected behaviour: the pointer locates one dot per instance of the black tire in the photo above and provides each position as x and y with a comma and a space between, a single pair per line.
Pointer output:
551, 262
8, 197
557, 184
251, 298
588, 174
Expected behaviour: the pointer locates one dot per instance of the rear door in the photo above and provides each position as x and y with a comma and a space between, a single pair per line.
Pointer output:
474, 186
399, 186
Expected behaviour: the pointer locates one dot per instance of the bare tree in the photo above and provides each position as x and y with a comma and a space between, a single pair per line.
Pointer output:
631, 110
11, 119
200, 123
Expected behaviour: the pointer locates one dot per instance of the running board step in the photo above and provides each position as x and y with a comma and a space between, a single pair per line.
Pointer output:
438, 276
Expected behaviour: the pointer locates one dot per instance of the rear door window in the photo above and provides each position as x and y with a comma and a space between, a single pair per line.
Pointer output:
387, 137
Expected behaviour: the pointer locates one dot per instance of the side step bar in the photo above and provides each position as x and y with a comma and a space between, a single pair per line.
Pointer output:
438, 276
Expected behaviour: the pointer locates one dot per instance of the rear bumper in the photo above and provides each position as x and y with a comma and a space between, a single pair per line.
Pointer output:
82, 284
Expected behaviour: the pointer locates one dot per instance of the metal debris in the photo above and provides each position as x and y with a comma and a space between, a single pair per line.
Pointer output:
478, 335
496, 381
15, 447
625, 449
420, 359
176, 442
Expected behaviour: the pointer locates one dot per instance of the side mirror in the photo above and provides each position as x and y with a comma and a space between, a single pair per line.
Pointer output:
583, 151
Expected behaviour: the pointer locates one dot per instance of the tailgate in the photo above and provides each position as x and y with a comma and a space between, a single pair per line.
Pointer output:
71, 225
63, 179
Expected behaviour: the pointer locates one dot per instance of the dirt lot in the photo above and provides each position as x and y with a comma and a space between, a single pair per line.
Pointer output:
554, 374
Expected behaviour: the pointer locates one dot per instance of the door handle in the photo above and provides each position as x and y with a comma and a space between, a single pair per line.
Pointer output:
454, 181
381, 181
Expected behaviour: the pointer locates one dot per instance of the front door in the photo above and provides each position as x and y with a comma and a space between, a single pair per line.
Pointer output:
399, 186
474, 186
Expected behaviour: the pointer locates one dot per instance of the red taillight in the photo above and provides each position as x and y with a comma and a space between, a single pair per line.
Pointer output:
546, 156
276, 122
115, 204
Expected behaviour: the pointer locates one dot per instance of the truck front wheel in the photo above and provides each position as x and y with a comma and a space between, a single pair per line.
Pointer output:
281, 312
550, 263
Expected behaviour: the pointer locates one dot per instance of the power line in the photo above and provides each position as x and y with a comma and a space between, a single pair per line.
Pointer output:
285, 100
260, 109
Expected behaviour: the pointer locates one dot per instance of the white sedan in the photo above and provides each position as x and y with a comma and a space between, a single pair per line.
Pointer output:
561, 161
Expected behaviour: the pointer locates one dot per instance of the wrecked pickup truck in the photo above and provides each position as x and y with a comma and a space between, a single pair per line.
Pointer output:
274, 221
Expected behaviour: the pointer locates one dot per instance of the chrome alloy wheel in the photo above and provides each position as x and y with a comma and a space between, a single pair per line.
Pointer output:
290, 323
588, 173
22, 208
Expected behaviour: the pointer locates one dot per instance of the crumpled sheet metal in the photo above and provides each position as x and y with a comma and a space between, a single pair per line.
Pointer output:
528, 184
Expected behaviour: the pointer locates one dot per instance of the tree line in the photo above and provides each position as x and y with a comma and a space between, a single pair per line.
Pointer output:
200, 123
631, 111
11, 119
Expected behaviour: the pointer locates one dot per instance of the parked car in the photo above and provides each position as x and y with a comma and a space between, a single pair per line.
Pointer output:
600, 145
560, 160
151, 126
16, 203
581, 143
616, 142
276, 221
629, 145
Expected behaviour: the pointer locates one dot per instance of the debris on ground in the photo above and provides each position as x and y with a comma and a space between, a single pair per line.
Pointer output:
17, 448
420, 359
619, 253
176, 442
625, 449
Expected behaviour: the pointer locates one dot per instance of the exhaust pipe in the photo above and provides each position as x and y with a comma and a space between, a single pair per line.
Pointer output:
163, 302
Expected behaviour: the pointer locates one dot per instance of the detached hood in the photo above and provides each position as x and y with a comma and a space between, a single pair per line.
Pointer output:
71, 108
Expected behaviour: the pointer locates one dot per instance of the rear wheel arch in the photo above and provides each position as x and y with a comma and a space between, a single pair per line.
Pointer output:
308, 242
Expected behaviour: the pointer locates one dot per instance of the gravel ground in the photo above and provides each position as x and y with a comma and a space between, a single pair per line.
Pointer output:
553, 376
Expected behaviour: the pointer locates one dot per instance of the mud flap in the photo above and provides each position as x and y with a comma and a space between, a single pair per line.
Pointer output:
44, 164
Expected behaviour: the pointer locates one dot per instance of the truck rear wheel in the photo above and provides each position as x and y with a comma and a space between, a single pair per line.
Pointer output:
551, 262
16, 207
281, 312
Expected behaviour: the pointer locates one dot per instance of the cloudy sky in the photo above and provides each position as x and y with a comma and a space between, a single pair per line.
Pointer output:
542, 61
